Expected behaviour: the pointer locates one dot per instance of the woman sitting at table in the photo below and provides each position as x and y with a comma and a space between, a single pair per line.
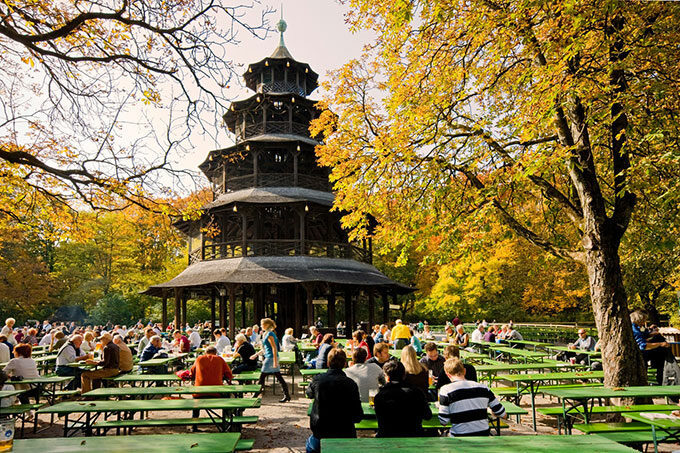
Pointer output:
245, 351
416, 373
23, 366
358, 341
321, 361
88, 342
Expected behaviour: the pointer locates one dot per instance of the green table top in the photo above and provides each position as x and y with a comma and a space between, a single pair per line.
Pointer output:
185, 390
179, 443
145, 378
247, 376
564, 376
312, 371
369, 411
165, 361
662, 423
625, 392
286, 358
530, 343
577, 351
525, 444
150, 405
10, 393
522, 366
519, 352
43, 380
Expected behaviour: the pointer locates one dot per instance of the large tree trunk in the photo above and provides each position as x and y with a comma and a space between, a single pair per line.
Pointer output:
621, 358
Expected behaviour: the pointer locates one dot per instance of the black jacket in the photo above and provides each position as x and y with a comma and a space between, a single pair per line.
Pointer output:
470, 375
400, 409
336, 407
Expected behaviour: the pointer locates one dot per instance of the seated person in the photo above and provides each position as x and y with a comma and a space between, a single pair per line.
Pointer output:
58, 340
222, 343
653, 350
478, 334
209, 369
288, 342
125, 355
381, 354
417, 374
512, 334
71, 353
452, 352
415, 343
194, 339
461, 339
450, 335
584, 343
181, 342
427, 333
368, 376
463, 403
148, 333
399, 407
432, 360
336, 407
321, 360
245, 351
110, 365
154, 350
23, 365
490, 335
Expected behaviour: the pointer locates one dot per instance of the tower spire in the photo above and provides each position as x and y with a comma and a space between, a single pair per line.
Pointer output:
281, 26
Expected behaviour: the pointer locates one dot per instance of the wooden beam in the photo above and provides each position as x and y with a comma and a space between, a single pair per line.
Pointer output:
349, 328
310, 304
164, 311
298, 318
232, 310
184, 311
244, 308
213, 297
371, 309
178, 305
223, 311
386, 307
331, 308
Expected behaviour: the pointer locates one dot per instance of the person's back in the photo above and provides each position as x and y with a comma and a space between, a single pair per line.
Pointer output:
367, 376
336, 407
125, 360
5, 354
464, 403
399, 407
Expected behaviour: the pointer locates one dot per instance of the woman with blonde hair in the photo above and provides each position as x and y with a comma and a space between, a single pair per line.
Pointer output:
270, 350
88, 342
288, 342
416, 373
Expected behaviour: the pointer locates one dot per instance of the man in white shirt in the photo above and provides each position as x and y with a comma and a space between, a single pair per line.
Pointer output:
478, 334
47, 339
194, 339
70, 353
368, 376
222, 342
255, 337
148, 333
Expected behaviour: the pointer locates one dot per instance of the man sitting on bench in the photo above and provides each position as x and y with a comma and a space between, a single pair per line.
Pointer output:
109, 365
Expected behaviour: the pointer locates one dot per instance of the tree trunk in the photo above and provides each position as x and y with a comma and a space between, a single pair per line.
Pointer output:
621, 358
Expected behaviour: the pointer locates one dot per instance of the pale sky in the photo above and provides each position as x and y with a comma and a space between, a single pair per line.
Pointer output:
316, 34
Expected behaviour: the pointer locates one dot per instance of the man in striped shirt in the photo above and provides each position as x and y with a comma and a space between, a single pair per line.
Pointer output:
464, 403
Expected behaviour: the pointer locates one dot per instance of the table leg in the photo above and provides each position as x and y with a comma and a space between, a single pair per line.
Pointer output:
656, 445
65, 425
533, 389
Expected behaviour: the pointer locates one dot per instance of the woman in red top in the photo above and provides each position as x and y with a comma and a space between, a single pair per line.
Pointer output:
359, 342
209, 369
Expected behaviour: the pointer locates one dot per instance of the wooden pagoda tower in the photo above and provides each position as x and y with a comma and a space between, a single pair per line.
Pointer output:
268, 244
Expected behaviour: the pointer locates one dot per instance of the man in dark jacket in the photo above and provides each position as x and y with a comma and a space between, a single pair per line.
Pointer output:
399, 407
337, 405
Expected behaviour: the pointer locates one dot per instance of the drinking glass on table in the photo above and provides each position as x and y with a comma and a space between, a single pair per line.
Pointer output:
371, 396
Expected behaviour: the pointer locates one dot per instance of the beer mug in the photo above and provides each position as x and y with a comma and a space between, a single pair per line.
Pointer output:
371, 396
6, 434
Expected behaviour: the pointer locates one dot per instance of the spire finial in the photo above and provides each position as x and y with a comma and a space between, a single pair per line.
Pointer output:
281, 26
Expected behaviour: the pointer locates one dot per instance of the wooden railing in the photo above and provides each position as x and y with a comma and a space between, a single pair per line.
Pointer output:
271, 127
280, 87
277, 180
280, 247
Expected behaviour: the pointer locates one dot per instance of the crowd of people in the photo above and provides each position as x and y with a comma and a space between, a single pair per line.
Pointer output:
399, 370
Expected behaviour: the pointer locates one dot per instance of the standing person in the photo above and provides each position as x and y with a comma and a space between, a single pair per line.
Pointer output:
336, 403
222, 343
109, 365
24, 366
270, 350
70, 353
399, 407
400, 335
463, 403
246, 352
126, 361
8, 331
368, 376
209, 369
416, 373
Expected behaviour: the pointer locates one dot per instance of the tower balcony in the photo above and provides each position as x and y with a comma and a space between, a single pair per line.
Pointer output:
246, 131
281, 87
279, 247
274, 180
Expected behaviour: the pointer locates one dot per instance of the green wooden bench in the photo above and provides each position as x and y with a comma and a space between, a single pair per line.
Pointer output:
244, 444
604, 427
127, 425
559, 412
632, 438
66, 393
20, 411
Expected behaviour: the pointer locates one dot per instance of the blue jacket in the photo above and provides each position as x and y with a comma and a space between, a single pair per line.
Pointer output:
148, 352
640, 338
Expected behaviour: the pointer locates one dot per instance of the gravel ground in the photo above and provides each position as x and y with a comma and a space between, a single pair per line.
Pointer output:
284, 427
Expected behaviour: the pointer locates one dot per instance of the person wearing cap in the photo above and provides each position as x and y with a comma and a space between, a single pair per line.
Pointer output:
110, 364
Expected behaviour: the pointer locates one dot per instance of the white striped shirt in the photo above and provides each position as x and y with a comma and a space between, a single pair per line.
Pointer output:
464, 404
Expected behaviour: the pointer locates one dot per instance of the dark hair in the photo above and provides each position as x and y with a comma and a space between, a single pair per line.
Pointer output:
359, 335
359, 355
217, 332
379, 348
23, 349
430, 346
176, 331
328, 338
394, 370
337, 359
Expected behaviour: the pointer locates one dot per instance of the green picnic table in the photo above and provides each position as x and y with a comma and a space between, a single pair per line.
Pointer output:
117, 392
576, 400
247, 376
670, 427
171, 443
533, 344
493, 369
46, 385
525, 444
10, 393
589, 354
163, 361
306, 347
530, 383
143, 379
513, 354
220, 410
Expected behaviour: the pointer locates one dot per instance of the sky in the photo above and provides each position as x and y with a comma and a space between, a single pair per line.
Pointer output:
316, 34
